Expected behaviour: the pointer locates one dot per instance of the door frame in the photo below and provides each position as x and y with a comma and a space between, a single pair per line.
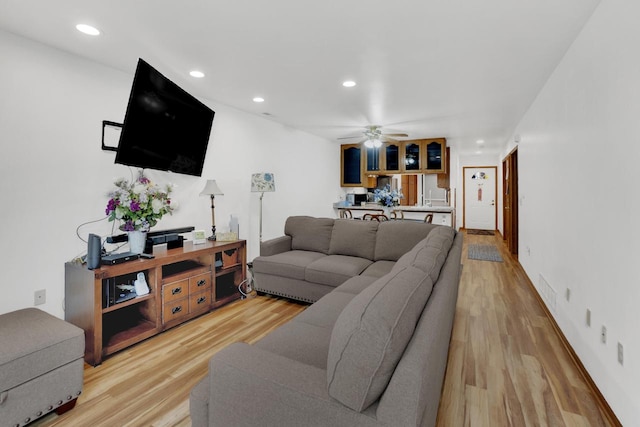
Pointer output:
464, 194
510, 201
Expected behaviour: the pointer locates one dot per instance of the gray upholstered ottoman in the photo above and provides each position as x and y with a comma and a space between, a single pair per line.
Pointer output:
41, 365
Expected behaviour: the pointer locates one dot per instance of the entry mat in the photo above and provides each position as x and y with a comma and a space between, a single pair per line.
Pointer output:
481, 232
484, 253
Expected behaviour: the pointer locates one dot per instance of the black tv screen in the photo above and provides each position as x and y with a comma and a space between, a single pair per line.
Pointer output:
165, 128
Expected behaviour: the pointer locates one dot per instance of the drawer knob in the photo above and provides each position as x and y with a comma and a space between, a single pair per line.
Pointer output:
201, 300
176, 291
177, 309
202, 282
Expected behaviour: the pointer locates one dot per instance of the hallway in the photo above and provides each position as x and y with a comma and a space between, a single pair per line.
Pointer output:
507, 366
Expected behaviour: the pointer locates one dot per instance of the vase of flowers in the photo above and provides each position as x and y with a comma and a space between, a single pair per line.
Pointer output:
138, 205
387, 197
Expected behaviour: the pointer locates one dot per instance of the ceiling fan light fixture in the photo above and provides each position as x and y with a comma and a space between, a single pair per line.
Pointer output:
368, 143
377, 143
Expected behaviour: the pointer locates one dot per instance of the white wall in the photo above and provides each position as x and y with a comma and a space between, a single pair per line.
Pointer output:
578, 160
54, 176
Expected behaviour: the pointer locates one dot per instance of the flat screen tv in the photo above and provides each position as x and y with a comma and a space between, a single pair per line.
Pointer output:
165, 128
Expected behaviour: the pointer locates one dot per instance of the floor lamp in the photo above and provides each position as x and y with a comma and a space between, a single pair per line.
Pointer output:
262, 183
212, 189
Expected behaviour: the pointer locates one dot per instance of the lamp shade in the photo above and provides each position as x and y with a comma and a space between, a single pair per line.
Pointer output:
263, 182
211, 189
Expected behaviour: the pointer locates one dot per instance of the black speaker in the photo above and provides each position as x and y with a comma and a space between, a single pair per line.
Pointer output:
94, 251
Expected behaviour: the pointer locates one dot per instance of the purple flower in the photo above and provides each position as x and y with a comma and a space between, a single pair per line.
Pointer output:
111, 206
134, 206
128, 226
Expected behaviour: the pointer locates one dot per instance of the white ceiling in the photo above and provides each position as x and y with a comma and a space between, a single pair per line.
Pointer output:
462, 69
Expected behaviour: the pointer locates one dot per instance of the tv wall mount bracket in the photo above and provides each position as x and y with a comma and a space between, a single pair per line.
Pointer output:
110, 135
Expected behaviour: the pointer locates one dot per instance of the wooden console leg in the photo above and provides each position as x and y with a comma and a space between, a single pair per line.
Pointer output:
66, 407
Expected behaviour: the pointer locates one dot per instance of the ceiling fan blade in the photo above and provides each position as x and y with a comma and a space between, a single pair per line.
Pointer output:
351, 137
386, 138
396, 134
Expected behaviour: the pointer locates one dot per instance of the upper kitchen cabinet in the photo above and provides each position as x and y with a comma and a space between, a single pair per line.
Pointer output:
351, 160
372, 160
390, 157
424, 155
435, 151
413, 154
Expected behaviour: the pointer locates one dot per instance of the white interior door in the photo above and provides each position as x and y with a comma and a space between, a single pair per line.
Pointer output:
480, 197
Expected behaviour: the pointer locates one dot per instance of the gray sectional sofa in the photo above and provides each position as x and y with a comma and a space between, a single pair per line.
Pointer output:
372, 351
318, 254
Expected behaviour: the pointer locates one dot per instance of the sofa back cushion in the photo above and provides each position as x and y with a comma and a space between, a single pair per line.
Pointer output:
396, 238
309, 233
373, 330
371, 334
354, 238
429, 254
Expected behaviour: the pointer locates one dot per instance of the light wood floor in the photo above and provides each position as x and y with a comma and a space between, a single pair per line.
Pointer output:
507, 366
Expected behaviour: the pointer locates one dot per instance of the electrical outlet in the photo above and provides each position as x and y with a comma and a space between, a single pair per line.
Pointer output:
588, 317
603, 335
620, 354
40, 297
567, 294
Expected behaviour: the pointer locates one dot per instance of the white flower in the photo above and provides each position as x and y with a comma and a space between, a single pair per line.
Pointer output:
139, 188
156, 205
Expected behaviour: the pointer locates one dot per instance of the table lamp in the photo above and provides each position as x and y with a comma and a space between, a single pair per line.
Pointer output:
262, 183
212, 189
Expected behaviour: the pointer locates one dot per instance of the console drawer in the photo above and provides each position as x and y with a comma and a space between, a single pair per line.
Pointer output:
175, 310
200, 301
200, 283
174, 291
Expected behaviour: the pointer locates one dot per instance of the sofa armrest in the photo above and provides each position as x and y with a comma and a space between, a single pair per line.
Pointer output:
250, 386
275, 246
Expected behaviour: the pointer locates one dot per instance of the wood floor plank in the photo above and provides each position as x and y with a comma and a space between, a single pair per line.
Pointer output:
507, 366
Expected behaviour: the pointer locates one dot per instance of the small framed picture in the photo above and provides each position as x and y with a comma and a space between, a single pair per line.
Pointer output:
199, 237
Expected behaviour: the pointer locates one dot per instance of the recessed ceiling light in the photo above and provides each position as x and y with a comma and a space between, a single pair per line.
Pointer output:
480, 141
258, 99
88, 29
197, 74
349, 83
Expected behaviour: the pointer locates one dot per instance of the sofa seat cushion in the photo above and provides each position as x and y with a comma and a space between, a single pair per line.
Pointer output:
334, 270
354, 238
326, 310
290, 264
356, 284
371, 334
379, 268
395, 238
300, 341
33, 343
309, 233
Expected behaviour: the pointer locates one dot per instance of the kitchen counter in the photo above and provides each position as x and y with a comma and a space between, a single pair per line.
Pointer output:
444, 215
425, 208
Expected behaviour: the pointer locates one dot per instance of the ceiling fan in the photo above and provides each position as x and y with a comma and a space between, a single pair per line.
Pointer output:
372, 136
